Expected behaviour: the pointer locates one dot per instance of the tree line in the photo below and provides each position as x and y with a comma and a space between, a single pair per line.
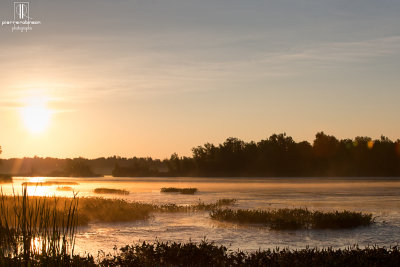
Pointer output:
281, 156
277, 156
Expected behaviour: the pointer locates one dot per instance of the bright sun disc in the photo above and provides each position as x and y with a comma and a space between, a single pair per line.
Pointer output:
36, 117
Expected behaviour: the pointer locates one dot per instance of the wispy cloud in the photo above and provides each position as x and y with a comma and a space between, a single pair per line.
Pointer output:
339, 52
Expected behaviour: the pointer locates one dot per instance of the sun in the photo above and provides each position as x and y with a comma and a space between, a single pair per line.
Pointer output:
36, 116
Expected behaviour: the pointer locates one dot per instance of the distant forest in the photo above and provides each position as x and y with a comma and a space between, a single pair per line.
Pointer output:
277, 156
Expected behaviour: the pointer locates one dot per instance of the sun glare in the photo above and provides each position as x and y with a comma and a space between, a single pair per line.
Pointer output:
36, 116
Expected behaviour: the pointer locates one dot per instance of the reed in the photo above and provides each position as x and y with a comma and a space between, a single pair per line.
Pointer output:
98, 209
111, 191
186, 191
35, 226
281, 219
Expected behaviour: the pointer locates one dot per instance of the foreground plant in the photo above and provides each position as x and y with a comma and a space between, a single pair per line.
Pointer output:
209, 254
37, 226
294, 218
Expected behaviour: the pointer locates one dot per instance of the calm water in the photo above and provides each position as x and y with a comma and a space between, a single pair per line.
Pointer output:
381, 197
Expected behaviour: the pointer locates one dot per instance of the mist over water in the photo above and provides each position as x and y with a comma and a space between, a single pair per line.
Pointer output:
379, 196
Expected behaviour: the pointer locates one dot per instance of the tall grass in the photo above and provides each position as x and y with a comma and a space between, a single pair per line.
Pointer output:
295, 218
98, 209
30, 227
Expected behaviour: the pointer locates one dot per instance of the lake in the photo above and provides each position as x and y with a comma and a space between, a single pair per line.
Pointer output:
379, 196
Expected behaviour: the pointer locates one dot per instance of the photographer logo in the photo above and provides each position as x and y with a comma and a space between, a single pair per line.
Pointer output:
22, 21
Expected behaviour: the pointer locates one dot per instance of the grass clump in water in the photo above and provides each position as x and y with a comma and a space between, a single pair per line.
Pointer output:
199, 206
186, 191
111, 191
281, 219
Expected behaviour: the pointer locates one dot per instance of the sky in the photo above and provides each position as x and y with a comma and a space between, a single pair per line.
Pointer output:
154, 77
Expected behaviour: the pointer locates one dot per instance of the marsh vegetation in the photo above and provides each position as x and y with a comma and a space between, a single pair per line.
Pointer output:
33, 227
39, 231
297, 218
97, 209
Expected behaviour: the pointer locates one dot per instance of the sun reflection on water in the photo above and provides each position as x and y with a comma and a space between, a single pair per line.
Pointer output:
38, 189
36, 179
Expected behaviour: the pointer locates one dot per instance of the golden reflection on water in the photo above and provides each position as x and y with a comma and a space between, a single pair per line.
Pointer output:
36, 179
39, 190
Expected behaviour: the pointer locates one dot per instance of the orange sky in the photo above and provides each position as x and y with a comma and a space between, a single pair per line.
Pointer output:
156, 77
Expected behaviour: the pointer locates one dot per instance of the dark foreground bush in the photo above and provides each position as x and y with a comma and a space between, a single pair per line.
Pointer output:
41, 260
209, 254
186, 191
294, 218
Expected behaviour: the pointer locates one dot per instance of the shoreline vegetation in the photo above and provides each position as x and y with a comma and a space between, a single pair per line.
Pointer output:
98, 209
277, 156
37, 231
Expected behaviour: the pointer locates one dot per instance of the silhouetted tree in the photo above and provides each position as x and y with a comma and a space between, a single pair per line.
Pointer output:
278, 156
78, 167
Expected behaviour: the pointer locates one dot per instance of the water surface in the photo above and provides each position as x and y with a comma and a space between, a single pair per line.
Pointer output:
379, 196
